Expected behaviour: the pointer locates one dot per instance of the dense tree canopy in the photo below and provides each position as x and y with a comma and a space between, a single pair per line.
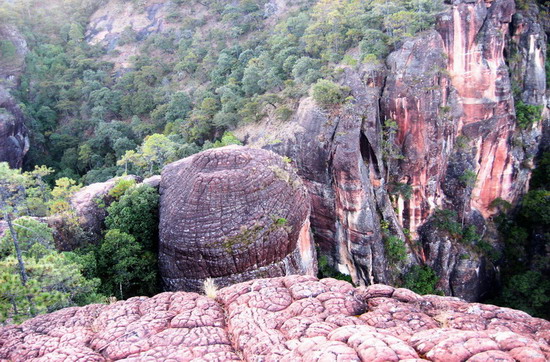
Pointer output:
87, 118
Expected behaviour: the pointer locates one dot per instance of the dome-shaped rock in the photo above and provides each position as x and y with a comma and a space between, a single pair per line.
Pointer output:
232, 214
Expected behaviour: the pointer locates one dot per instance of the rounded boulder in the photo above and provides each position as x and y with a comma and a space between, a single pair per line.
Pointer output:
232, 214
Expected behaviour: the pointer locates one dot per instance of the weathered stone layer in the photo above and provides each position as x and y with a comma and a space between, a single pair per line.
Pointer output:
295, 318
232, 214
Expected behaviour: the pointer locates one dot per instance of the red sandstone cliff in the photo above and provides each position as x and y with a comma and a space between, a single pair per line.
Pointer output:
447, 96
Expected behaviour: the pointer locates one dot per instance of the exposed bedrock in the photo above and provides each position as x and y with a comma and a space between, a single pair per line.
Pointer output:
474, 37
438, 119
232, 214
88, 222
295, 318
420, 99
526, 55
338, 154
14, 138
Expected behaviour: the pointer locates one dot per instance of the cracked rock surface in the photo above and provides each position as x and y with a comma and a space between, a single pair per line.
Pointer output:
294, 318
232, 214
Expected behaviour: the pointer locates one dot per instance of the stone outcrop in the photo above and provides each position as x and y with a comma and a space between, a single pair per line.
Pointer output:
432, 128
232, 214
90, 205
110, 21
13, 61
526, 54
338, 155
14, 138
421, 100
474, 36
294, 318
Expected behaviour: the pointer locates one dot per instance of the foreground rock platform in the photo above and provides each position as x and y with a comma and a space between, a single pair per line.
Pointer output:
294, 318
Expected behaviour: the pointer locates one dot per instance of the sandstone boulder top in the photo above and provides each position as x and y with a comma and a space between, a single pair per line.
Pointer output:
290, 318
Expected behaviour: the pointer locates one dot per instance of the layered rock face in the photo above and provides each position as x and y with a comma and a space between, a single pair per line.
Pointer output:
14, 138
526, 59
450, 94
438, 120
339, 157
294, 318
421, 100
527, 54
451, 84
474, 38
232, 214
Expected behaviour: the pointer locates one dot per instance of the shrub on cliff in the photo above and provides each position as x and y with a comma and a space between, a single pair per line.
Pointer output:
528, 291
326, 93
126, 258
536, 207
527, 114
325, 270
396, 250
126, 268
421, 279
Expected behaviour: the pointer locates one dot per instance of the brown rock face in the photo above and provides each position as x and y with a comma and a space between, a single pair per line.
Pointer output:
449, 92
232, 214
14, 139
295, 318
526, 56
338, 155
474, 38
455, 83
419, 97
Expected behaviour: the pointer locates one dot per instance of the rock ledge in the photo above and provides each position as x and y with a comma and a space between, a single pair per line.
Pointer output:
290, 318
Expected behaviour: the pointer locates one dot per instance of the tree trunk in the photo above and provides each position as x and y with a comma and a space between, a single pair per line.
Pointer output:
21, 263
22, 271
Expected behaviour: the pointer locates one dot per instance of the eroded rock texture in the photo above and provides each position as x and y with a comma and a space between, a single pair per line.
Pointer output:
420, 98
295, 318
232, 214
338, 154
474, 37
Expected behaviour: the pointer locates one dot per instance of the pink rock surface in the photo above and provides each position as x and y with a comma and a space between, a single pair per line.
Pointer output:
295, 318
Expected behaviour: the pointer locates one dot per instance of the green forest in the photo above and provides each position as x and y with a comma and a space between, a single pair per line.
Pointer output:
188, 86
185, 90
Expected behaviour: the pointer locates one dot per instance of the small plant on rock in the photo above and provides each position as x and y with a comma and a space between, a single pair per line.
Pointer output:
422, 280
210, 288
395, 249
326, 93
527, 114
